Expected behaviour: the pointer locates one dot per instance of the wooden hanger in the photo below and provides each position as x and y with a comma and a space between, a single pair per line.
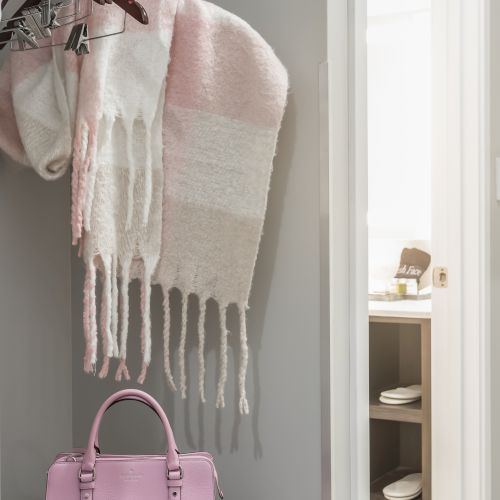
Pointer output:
131, 7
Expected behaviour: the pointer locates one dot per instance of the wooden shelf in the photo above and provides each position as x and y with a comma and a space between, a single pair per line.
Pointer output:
400, 435
391, 477
410, 413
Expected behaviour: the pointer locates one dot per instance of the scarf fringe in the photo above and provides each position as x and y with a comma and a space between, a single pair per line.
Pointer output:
201, 348
146, 323
114, 306
114, 292
92, 347
129, 129
89, 329
106, 316
148, 179
78, 161
182, 347
83, 166
220, 403
124, 319
166, 340
244, 409
87, 184
122, 371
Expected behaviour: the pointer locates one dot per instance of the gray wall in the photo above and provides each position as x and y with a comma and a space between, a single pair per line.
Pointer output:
276, 451
495, 248
35, 326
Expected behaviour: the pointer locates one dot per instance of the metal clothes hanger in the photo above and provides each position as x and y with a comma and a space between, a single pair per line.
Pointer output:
35, 20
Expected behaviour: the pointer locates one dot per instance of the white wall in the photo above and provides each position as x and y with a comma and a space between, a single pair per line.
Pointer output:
399, 134
276, 452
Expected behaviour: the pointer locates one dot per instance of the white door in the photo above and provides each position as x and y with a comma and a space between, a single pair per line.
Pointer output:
460, 242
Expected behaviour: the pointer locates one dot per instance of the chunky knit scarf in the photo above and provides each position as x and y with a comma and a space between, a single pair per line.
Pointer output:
172, 130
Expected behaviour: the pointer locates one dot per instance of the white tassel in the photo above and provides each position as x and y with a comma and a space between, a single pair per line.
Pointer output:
148, 178
182, 347
244, 409
166, 340
108, 124
124, 309
90, 321
115, 307
131, 175
201, 348
146, 322
90, 183
106, 307
93, 310
223, 358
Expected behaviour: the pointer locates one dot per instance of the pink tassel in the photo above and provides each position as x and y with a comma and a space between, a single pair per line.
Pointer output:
114, 306
166, 340
90, 320
124, 309
146, 321
182, 347
87, 185
106, 307
201, 348
88, 360
142, 376
122, 371
76, 220
105, 368
83, 153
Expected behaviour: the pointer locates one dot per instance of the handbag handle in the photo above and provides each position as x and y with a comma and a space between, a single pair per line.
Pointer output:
97, 446
89, 458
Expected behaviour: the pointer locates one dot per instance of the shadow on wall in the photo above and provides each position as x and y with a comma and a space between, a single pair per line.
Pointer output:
194, 416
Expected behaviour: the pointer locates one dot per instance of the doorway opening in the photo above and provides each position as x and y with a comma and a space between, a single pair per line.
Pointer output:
399, 118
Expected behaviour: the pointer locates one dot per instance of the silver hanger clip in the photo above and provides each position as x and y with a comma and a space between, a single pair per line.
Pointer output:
46, 13
78, 40
24, 36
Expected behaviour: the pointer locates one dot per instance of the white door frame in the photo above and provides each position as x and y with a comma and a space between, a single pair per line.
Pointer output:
461, 317
348, 202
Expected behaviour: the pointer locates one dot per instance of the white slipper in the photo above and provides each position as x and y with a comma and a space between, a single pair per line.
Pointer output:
413, 497
390, 401
411, 392
408, 488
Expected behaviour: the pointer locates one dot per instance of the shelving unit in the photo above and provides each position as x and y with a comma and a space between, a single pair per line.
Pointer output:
400, 355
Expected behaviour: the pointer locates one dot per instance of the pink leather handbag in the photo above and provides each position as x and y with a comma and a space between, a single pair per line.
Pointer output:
90, 475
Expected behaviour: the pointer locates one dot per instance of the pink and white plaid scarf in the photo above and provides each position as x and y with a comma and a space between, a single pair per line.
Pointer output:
171, 129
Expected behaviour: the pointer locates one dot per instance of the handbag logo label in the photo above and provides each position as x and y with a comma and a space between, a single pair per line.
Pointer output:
131, 475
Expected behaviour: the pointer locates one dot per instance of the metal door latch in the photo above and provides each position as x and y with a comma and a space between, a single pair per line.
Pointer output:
440, 277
